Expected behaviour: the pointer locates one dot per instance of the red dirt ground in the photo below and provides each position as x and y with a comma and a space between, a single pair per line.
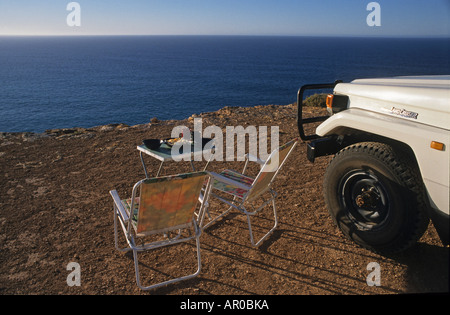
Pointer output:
56, 209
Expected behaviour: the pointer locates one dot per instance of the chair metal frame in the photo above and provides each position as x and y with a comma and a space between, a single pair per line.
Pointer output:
240, 202
128, 225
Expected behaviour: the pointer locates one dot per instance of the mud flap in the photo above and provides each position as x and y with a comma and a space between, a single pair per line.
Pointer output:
441, 223
322, 147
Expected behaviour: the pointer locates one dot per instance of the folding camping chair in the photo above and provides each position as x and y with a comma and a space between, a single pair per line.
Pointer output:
245, 189
165, 205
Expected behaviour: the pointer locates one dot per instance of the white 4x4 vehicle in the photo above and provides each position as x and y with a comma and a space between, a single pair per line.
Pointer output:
390, 172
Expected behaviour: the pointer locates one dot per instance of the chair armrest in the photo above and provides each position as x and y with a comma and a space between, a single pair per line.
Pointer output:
253, 158
123, 213
228, 181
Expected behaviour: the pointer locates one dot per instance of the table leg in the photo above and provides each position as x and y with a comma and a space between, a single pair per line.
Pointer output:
209, 160
159, 170
143, 164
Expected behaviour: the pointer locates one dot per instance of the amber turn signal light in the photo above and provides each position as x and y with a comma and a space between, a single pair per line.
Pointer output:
330, 100
336, 103
437, 145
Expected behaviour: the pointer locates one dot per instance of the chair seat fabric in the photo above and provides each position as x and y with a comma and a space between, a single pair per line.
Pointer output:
230, 189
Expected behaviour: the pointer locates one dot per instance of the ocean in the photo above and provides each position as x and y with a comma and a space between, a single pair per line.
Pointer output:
65, 82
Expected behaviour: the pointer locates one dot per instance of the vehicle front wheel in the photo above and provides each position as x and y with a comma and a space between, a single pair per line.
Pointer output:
375, 196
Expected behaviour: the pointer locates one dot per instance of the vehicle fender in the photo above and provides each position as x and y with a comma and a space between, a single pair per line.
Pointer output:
433, 164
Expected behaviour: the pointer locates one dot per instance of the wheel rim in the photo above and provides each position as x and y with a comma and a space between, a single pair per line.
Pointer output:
365, 199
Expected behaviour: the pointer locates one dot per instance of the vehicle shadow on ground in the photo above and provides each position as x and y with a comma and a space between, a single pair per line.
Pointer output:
427, 268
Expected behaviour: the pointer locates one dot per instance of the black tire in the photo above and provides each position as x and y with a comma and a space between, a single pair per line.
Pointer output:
376, 197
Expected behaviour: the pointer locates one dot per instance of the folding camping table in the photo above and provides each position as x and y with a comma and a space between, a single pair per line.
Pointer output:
164, 153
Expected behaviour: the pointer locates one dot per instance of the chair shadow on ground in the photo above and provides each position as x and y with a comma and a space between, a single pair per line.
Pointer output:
295, 273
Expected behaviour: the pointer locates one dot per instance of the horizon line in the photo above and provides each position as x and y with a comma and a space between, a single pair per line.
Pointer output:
447, 36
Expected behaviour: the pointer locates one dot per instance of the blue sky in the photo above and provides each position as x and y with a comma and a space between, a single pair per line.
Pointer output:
402, 18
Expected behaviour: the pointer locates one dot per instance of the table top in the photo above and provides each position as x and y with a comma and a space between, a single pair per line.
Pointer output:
164, 152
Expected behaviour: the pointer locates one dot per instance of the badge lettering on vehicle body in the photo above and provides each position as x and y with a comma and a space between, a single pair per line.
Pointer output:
404, 113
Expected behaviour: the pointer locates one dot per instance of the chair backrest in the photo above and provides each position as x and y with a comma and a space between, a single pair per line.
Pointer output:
168, 203
269, 170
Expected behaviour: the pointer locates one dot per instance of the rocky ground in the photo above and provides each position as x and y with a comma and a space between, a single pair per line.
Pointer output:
56, 209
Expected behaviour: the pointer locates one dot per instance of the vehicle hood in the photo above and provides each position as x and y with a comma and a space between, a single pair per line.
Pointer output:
425, 99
